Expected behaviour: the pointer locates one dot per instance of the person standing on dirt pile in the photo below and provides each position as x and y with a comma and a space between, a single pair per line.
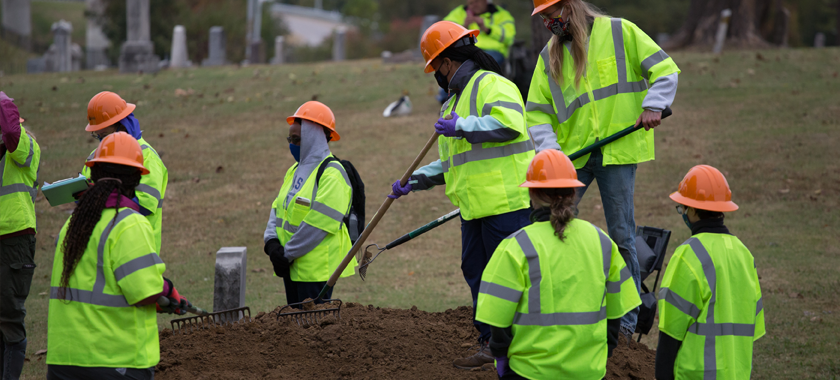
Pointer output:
306, 237
109, 113
590, 82
554, 291
710, 308
20, 160
484, 154
106, 276
493, 21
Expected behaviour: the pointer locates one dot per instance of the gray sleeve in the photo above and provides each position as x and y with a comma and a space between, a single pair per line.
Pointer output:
544, 137
304, 241
271, 227
661, 93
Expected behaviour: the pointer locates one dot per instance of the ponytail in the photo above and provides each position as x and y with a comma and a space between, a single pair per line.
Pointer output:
473, 53
561, 202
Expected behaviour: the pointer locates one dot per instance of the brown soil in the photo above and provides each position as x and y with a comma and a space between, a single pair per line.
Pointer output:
368, 343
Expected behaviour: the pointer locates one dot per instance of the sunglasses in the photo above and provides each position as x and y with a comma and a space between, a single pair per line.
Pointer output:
681, 209
293, 140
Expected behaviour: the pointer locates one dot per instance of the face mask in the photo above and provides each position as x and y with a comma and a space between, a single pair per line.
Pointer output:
558, 26
442, 80
295, 149
685, 219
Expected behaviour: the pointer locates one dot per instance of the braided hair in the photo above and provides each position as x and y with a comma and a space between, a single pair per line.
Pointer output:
471, 52
561, 202
107, 178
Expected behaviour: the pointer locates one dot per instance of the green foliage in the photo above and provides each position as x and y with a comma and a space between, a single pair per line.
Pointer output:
14, 58
44, 14
809, 17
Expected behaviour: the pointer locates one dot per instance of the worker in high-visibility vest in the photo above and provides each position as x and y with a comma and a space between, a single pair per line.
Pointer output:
107, 277
484, 153
554, 291
306, 237
710, 305
496, 25
591, 81
108, 113
20, 160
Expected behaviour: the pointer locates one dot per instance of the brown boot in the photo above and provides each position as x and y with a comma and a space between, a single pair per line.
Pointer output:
480, 358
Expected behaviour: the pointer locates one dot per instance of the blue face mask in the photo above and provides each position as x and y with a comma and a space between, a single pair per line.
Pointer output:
295, 149
685, 219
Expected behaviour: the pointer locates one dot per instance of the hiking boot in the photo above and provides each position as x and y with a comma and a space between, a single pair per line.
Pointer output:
628, 334
477, 360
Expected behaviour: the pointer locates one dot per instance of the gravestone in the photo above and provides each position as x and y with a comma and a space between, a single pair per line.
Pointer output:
137, 53
340, 44
96, 43
819, 40
278, 51
723, 26
428, 20
17, 22
179, 47
229, 285
217, 48
59, 56
253, 40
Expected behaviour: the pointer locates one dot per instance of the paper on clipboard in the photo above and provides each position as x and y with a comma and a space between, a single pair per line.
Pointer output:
61, 192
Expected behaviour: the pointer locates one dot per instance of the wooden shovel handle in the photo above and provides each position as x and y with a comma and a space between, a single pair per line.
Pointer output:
379, 213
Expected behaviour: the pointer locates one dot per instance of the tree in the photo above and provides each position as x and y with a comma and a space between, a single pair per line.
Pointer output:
752, 24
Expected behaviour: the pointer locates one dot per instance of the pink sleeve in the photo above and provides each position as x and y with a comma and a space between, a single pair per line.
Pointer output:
9, 122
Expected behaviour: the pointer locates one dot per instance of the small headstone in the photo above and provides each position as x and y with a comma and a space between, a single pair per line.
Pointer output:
137, 53
723, 26
217, 48
59, 56
229, 286
340, 44
278, 51
819, 40
17, 22
96, 43
253, 40
179, 47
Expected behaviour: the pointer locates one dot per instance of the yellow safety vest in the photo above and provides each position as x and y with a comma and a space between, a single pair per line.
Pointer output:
323, 206
620, 61
483, 179
557, 295
152, 188
94, 324
19, 185
711, 301
500, 22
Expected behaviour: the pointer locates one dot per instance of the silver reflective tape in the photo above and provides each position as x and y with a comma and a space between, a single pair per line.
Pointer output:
92, 155
341, 170
328, 211
653, 60
488, 107
534, 272
474, 94
99, 285
478, 153
89, 297
683, 305
618, 88
16, 188
29, 156
606, 251
722, 329
560, 319
544, 108
288, 227
160, 203
134, 265
500, 291
615, 286
709, 353
148, 190
759, 306
618, 44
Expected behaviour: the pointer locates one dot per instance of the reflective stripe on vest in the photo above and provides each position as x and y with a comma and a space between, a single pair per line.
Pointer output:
97, 296
315, 206
533, 317
18, 187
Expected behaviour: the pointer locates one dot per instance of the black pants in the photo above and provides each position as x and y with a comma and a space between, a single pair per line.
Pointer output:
300, 291
68, 372
17, 265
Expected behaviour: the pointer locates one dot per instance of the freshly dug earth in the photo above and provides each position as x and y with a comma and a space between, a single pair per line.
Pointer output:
366, 343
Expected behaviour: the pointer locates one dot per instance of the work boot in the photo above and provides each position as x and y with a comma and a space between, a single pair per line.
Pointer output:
13, 357
628, 334
480, 358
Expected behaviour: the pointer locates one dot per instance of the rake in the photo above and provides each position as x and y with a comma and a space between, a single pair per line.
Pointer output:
204, 318
299, 310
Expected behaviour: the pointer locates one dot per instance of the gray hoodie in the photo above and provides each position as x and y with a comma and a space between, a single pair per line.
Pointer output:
313, 150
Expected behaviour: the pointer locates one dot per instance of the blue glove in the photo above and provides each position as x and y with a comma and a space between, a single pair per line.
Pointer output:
502, 367
399, 190
447, 127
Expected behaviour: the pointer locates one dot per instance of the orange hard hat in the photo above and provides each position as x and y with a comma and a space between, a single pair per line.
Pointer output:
440, 36
316, 112
705, 188
541, 5
551, 169
119, 148
106, 109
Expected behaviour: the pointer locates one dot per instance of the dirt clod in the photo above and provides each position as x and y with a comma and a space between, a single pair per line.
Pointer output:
366, 343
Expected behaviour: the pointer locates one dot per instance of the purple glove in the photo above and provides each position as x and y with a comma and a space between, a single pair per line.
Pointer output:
399, 190
502, 367
447, 127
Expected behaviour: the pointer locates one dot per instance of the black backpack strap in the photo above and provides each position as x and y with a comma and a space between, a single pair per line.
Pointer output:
323, 167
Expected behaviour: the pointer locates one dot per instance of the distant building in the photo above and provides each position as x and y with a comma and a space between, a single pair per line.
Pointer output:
308, 26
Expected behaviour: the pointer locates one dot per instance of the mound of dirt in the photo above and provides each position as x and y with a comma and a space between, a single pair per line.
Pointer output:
366, 343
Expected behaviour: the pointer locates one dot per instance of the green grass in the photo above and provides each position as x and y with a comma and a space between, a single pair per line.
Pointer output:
769, 125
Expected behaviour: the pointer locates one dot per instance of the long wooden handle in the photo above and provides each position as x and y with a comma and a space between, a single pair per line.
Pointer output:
379, 213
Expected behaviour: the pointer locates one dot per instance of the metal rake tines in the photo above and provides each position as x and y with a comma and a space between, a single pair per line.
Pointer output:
367, 259
221, 318
311, 317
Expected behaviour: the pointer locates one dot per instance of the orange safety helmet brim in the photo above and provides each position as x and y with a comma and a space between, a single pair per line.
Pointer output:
316, 112
440, 36
119, 148
551, 169
541, 5
106, 109
705, 188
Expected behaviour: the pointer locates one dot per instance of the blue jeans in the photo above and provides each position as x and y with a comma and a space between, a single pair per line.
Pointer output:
479, 239
616, 183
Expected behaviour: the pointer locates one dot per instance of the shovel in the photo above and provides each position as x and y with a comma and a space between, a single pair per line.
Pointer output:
301, 316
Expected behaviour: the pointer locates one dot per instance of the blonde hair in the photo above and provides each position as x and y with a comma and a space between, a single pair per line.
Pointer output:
582, 16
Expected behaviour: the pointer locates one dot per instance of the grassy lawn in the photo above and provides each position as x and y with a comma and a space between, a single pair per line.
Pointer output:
768, 120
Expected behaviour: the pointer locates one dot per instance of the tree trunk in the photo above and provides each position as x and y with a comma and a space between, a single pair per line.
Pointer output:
704, 17
837, 25
539, 37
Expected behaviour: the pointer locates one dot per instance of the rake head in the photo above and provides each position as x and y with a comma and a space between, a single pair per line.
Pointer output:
367, 259
238, 315
303, 317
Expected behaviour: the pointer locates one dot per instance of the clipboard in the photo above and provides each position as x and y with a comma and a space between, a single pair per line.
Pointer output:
61, 192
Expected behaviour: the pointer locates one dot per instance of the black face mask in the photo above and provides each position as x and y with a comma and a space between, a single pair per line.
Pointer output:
442, 80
